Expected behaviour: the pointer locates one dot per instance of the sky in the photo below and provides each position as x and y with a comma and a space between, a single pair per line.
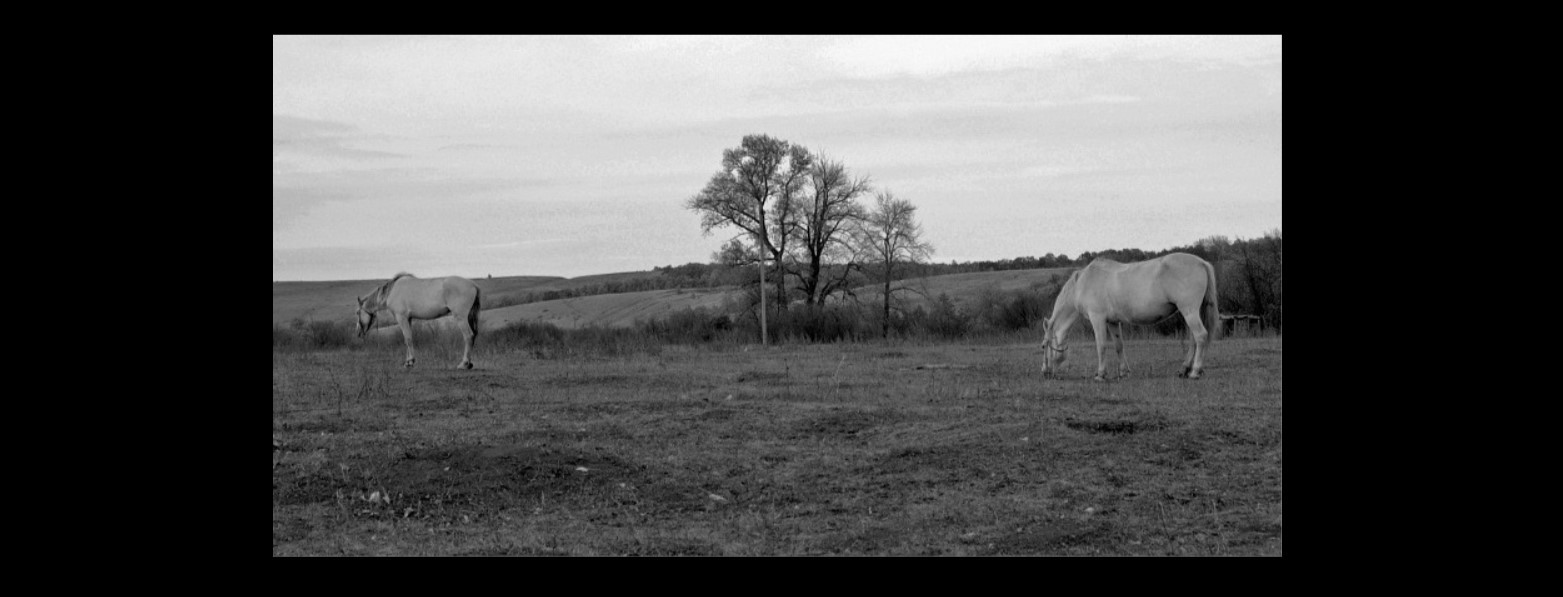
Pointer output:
574, 155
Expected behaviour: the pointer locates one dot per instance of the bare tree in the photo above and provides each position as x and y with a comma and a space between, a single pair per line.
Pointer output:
823, 220
762, 171
893, 238
1262, 271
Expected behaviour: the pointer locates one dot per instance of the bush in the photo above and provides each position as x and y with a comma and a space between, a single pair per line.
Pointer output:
524, 335
944, 320
312, 335
1014, 310
830, 323
687, 326
548, 341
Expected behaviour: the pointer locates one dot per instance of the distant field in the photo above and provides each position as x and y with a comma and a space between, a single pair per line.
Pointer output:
899, 448
609, 310
964, 288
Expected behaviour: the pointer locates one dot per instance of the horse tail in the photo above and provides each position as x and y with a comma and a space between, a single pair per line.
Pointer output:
472, 314
1209, 313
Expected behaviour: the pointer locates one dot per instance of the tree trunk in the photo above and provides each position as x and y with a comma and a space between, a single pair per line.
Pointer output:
884, 325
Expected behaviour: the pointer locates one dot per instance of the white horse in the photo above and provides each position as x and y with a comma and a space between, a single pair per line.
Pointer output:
410, 298
1109, 294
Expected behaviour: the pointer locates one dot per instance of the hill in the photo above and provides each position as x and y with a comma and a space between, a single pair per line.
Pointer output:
333, 301
607, 310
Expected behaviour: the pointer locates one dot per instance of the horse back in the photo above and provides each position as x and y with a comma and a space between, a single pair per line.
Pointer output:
1183, 277
428, 298
1140, 291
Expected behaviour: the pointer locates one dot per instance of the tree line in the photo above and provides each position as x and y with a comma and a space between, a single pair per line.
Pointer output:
1248, 275
809, 231
799, 217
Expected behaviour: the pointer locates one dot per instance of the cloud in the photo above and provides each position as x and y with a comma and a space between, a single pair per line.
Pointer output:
481, 147
349, 263
924, 55
290, 204
297, 141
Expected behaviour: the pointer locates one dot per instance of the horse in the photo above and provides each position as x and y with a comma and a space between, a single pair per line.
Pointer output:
1110, 294
409, 298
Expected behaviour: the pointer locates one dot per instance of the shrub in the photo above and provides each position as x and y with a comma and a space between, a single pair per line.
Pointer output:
829, 323
687, 326
1013, 310
944, 319
311, 335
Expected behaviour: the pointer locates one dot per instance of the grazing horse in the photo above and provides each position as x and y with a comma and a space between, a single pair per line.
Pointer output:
409, 298
1109, 294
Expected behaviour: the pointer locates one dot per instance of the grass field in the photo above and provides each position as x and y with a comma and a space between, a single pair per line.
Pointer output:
898, 448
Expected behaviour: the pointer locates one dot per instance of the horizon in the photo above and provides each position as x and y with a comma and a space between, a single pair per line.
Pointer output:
653, 268
572, 156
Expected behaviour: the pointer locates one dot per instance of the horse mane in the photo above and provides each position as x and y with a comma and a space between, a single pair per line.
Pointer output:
386, 288
376, 298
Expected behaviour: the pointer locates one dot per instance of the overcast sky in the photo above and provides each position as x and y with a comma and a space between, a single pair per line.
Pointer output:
572, 156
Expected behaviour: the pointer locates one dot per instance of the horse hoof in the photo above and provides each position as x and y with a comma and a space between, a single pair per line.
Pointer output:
464, 366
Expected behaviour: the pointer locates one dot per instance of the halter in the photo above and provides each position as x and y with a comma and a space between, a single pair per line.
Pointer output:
1047, 343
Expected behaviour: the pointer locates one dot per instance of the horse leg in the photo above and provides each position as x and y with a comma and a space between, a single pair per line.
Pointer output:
1123, 366
1194, 363
406, 324
467, 335
1099, 325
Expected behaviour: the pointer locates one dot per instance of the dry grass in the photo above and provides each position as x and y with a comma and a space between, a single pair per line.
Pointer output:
883, 449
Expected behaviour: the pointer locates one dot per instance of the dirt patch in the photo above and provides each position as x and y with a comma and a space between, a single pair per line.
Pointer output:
501, 474
937, 464
1118, 426
752, 376
848, 423
718, 414
332, 423
1264, 437
574, 380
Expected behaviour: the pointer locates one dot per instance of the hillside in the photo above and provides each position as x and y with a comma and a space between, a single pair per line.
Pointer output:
334, 300
607, 310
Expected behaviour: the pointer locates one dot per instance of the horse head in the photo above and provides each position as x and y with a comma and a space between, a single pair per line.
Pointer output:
1052, 348
365, 318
